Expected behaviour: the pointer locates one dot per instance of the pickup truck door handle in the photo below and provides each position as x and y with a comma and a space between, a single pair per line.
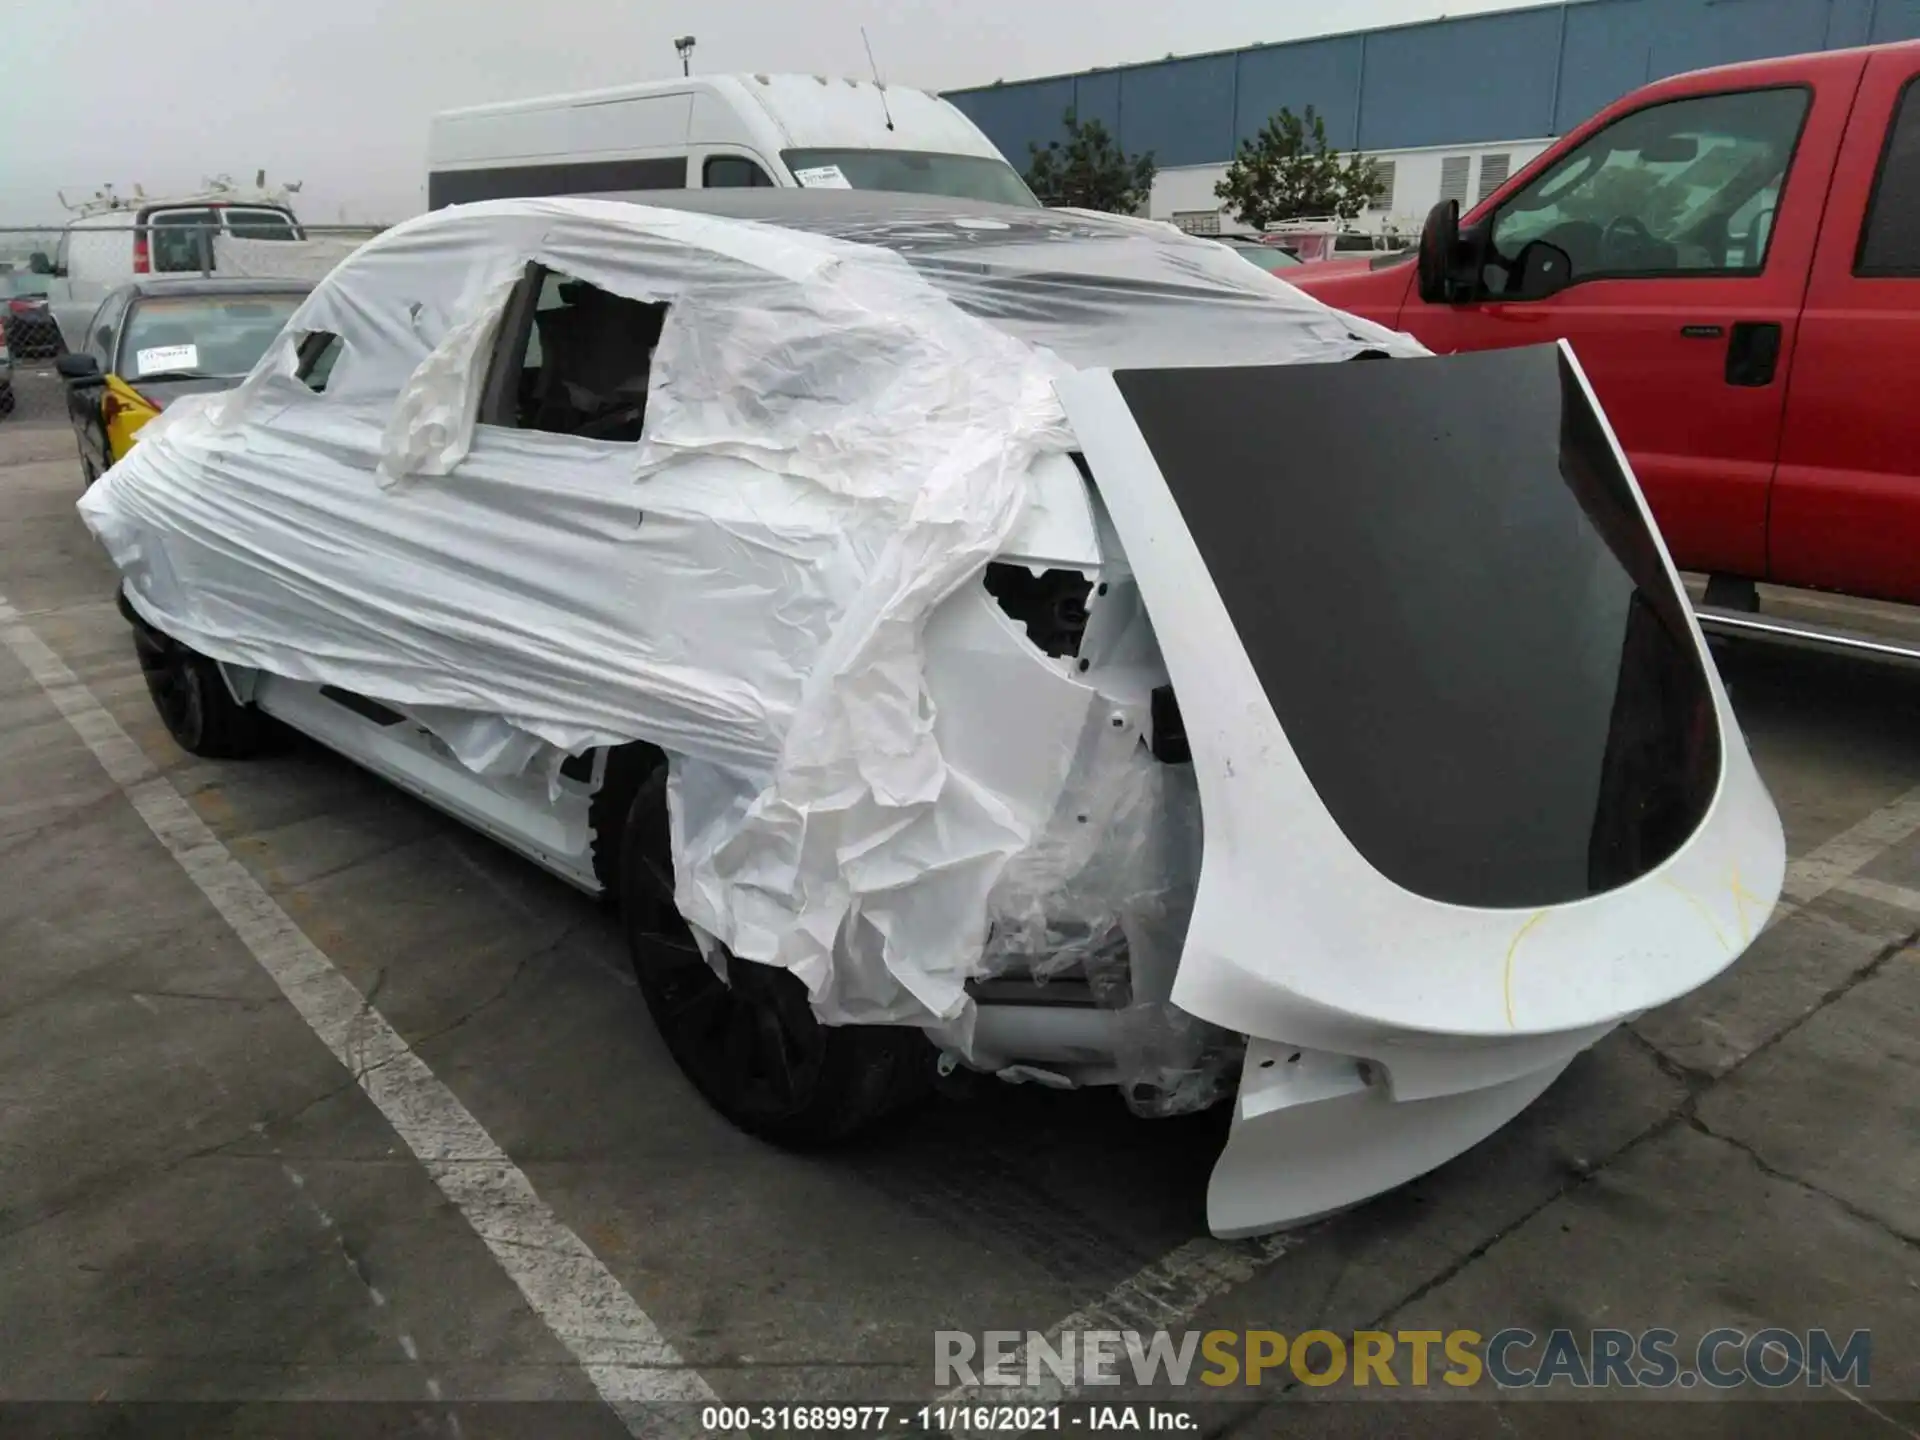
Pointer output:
1753, 353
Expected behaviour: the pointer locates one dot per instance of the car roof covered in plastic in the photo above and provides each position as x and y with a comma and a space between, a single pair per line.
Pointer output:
891, 218
1096, 289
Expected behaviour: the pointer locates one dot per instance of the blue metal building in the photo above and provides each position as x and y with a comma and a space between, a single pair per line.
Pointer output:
1480, 79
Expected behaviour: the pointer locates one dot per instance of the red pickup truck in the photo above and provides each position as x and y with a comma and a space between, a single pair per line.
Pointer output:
1735, 256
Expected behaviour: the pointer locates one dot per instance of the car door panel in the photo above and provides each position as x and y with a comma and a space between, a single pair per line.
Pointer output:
1702, 449
1846, 500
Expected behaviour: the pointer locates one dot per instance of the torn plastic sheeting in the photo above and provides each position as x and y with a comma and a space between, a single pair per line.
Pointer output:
745, 589
834, 445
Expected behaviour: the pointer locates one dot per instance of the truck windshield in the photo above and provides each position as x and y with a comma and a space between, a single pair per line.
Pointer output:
914, 172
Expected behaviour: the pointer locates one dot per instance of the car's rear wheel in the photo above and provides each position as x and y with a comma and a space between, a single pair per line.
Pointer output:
193, 700
751, 1043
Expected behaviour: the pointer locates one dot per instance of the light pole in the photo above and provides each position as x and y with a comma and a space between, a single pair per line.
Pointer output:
685, 46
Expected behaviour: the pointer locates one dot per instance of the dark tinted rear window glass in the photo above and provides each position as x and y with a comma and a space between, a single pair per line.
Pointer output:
579, 177
1890, 244
1462, 622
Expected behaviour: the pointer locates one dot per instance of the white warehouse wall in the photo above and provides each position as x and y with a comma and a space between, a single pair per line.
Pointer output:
1184, 194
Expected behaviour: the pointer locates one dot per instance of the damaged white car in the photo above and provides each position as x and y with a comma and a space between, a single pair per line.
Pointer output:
963, 636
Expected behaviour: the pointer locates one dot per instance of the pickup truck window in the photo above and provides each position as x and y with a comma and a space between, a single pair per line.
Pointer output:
1687, 187
1890, 242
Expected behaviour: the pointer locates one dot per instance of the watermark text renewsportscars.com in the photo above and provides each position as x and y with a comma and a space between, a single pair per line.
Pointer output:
1510, 1359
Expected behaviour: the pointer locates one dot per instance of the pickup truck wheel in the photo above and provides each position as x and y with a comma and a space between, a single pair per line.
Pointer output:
194, 702
751, 1043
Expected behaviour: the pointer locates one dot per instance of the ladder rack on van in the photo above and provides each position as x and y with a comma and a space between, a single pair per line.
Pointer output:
217, 191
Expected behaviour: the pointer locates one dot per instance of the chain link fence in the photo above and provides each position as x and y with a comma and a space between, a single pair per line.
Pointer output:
54, 279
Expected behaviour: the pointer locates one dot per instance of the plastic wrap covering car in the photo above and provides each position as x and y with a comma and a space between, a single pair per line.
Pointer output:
1094, 290
832, 448
1023, 599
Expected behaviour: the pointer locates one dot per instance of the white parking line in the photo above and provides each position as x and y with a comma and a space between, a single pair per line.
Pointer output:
619, 1348
1898, 896
1832, 865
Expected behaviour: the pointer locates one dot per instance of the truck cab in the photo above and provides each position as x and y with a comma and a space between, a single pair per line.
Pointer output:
1734, 255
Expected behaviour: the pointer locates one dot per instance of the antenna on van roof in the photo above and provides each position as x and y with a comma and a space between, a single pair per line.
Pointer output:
878, 84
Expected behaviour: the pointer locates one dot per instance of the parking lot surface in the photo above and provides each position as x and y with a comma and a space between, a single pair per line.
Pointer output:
477, 1176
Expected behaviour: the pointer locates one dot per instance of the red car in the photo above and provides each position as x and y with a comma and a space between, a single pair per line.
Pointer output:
1735, 256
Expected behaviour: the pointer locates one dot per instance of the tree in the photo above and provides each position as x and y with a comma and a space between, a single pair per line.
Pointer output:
1090, 171
1289, 171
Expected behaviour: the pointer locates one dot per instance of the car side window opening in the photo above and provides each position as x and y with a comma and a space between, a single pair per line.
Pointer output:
733, 172
577, 363
318, 352
1688, 187
1890, 240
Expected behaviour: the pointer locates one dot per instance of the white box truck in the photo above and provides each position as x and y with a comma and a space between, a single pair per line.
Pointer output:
709, 131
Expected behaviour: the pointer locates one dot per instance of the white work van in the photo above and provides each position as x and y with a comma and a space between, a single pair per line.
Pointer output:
713, 131
114, 241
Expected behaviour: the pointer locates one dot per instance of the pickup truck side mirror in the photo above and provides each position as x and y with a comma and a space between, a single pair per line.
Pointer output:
39, 264
1440, 253
78, 368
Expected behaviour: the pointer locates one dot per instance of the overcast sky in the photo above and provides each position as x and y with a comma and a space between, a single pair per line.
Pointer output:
336, 93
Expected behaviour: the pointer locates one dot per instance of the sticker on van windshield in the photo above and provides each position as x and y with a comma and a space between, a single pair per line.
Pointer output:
822, 177
157, 358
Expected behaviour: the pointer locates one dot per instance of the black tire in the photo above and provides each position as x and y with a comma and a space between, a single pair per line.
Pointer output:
87, 473
750, 1044
194, 702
